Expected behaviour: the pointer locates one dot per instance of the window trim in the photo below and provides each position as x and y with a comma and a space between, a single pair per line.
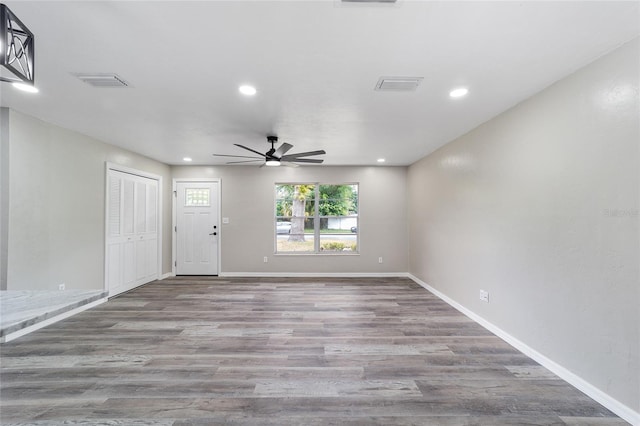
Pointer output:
316, 221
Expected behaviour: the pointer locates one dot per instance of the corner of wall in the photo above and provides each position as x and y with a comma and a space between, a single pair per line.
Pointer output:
4, 195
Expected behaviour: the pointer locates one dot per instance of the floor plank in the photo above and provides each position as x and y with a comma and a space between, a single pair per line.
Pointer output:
275, 351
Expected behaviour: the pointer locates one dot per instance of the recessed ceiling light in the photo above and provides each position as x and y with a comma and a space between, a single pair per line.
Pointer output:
381, 160
459, 92
247, 90
187, 159
25, 87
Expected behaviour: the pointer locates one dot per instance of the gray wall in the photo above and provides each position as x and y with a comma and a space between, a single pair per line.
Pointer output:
57, 205
248, 201
539, 206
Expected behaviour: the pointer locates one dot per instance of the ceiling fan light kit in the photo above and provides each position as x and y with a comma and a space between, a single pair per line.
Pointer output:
276, 157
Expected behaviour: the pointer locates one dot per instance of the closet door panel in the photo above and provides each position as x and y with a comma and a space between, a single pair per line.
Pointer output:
132, 231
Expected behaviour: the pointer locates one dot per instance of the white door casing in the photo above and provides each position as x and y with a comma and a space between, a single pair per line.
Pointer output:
132, 231
197, 227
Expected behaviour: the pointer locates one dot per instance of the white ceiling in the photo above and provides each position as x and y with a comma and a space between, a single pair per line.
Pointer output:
315, 65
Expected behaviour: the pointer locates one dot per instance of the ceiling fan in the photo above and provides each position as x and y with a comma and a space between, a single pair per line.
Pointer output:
276, 157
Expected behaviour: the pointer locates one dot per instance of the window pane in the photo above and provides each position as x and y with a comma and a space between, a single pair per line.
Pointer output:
295, 200
298, 238
196, 197
338, 200
338, 242
339, 225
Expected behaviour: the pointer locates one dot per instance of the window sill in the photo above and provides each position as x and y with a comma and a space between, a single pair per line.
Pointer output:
292, 253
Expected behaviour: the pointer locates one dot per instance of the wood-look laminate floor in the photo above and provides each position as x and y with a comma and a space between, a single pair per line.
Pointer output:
279, 351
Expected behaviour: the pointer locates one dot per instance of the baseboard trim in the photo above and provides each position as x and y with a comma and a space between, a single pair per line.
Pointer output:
622, 410
314, 274
167, 275
30, 329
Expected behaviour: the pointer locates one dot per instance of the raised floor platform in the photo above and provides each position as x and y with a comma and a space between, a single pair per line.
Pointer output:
25, 311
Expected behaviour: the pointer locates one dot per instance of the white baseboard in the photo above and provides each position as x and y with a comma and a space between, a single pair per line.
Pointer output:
314, 274
167, 275
625, 412
12, 336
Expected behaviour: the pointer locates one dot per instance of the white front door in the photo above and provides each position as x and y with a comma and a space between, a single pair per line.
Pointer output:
197, 228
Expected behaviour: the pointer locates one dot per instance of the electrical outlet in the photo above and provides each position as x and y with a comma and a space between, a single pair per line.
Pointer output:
380, 259
61, 287
484, 296
266, 259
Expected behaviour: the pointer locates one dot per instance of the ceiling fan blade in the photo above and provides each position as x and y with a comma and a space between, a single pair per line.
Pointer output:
236, 156
302, 154
306, 160
245, 161
282, 150
252, 150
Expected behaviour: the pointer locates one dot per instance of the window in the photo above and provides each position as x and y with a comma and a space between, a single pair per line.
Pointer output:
196, 197
316, 218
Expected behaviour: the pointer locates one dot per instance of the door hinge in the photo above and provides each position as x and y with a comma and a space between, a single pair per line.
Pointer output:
175, 193
176, 263
175, 228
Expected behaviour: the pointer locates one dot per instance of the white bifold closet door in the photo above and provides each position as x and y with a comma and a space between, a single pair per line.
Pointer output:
132, 231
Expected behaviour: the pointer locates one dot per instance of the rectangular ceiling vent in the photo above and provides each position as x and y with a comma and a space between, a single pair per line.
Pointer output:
398, 84
102, 80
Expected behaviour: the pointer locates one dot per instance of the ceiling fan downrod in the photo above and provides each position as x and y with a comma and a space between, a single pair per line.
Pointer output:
272, 140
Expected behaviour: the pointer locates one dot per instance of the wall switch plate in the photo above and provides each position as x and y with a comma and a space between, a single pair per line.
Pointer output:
225, 220
61, 287
380, 259
484, 296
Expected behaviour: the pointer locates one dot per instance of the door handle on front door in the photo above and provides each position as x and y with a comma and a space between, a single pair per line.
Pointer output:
213, 233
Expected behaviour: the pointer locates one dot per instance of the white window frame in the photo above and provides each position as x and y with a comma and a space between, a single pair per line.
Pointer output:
316, 222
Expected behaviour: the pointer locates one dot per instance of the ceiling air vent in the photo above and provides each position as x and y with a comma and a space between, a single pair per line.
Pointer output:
102, 80
398, 84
